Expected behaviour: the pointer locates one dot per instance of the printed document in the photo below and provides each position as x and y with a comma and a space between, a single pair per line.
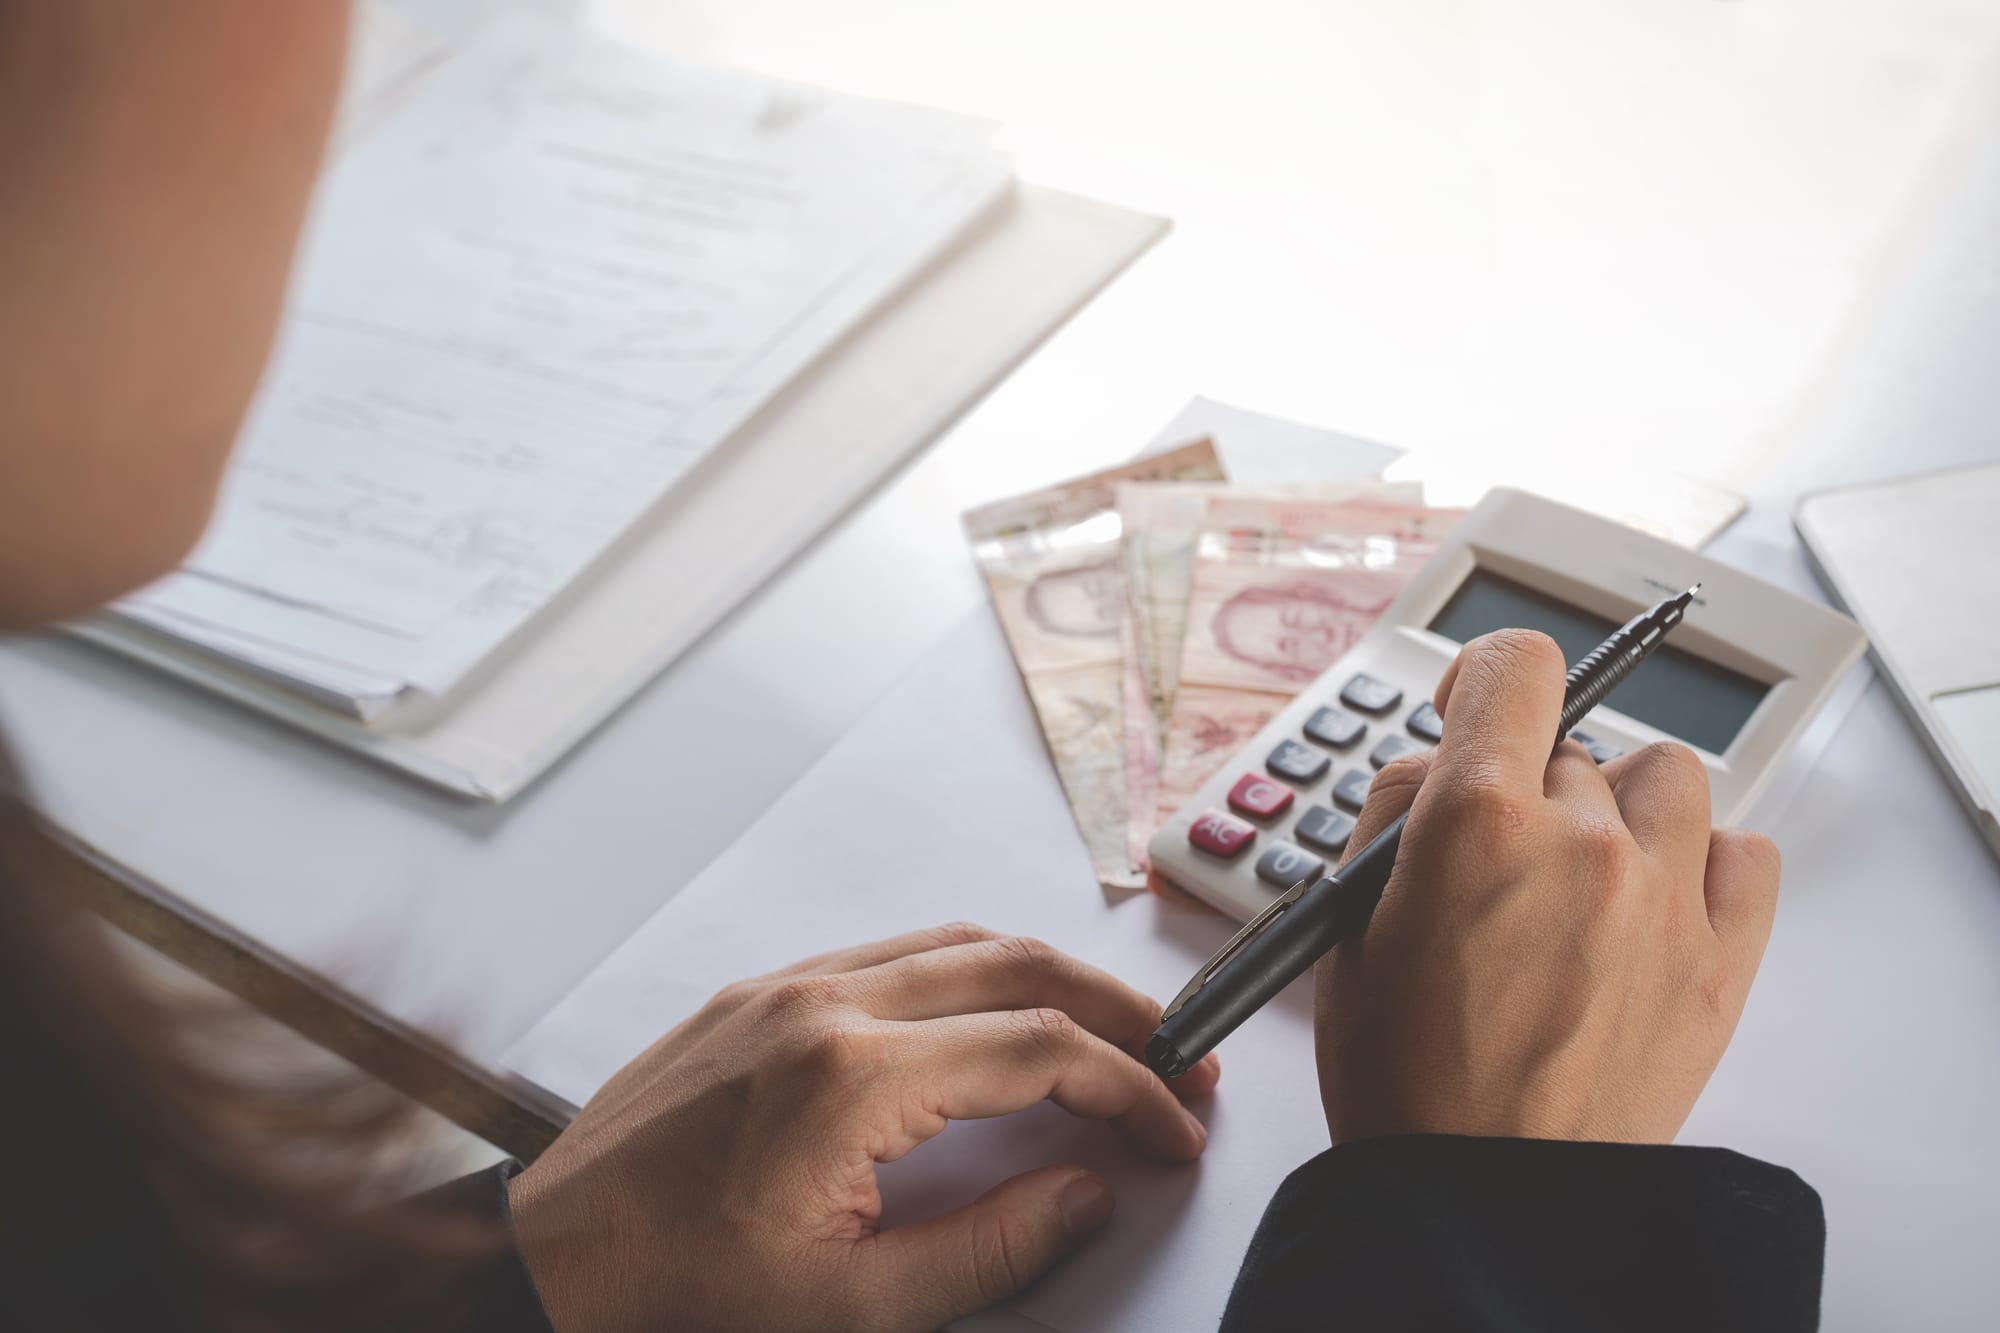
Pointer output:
531, 302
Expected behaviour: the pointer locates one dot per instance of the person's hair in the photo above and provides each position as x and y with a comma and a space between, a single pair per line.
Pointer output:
144, 1189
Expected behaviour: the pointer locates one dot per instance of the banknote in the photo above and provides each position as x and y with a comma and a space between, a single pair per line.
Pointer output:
1161, 522
1054, 567
1281, 589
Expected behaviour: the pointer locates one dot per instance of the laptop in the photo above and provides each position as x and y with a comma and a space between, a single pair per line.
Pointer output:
1917, 562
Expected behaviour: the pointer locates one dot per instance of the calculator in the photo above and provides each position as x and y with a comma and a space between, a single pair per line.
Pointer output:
1737, 682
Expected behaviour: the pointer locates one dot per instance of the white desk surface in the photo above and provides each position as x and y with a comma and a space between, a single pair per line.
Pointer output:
1345, 255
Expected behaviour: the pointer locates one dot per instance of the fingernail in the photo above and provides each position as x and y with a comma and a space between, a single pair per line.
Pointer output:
1086, 1205
1200, 1130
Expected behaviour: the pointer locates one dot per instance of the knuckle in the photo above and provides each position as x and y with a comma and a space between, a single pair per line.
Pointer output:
1024, 953
1050, 1030
1606, 854
733, 996
959, 932
1683, 764
1759, 851
1003, 1255
1675, 768
838, 1051
798, 996
1489, 808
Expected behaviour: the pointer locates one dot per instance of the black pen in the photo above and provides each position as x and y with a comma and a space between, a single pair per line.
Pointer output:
1298, 928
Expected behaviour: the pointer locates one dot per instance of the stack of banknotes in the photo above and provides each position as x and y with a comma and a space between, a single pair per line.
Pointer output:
1160, 616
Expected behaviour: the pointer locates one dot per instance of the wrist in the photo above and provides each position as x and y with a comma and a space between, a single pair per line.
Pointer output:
553, 1238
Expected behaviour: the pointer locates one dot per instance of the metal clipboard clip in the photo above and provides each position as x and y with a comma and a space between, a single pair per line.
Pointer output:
1257, 925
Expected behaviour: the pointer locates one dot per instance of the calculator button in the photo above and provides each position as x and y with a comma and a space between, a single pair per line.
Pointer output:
1300, 763
1601, 751
1323, 829
1370, 695
1220, 834
1285, 865
1352, 789
1391, 748
1332, 726
1258, 797
1426, 724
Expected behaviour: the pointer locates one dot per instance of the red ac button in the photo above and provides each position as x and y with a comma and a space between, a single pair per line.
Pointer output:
1219, 834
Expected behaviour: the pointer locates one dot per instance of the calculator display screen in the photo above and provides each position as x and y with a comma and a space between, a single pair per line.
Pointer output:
1681, 694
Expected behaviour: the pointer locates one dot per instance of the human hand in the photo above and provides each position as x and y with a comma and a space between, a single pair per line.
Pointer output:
1562, 951
726, 1178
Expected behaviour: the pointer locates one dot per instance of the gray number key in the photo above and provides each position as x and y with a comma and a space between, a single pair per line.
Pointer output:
1352, 789
1285, 865
1335, 727
1391, 748
1300, 763
1324, 830
1370, 695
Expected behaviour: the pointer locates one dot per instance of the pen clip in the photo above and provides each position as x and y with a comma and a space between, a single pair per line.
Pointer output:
1256, 926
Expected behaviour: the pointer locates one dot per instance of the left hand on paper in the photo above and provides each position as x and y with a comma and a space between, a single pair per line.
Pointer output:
726, 1178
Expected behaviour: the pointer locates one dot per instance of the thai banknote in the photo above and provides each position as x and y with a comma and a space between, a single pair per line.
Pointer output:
1161, 522
1054, 566
1281, 589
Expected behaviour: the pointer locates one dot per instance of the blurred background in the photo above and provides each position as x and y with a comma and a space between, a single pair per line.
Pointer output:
1692, 229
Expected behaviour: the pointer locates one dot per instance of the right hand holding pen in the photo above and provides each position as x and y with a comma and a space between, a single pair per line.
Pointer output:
1563, 950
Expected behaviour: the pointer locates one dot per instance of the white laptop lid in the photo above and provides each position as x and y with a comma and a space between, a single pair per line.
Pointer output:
1917, 562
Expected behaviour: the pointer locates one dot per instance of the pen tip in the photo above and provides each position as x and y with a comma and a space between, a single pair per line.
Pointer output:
1676, 607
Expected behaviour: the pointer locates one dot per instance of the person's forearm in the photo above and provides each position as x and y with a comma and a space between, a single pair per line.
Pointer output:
1436, 1232
154, 174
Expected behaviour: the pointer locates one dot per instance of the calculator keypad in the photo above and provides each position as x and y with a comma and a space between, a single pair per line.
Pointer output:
1297, 767
1323, 827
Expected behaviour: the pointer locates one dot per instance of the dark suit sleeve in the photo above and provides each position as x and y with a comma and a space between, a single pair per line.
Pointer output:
503, 1296
1440, 1233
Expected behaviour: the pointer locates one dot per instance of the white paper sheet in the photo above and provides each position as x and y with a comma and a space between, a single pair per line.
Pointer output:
535, 298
